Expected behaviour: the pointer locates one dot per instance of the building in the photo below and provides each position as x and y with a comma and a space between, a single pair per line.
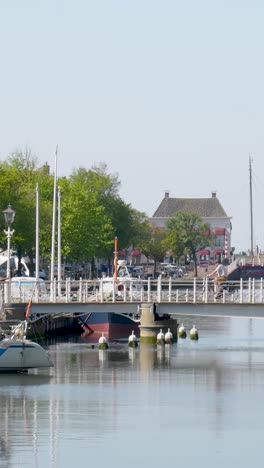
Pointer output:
212, 213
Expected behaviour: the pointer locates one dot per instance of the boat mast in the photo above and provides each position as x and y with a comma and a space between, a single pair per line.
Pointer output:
115, 258
251, 206
53, 219
37, 234
59, 241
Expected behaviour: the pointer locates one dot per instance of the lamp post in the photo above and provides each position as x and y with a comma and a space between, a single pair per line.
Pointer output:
9, 216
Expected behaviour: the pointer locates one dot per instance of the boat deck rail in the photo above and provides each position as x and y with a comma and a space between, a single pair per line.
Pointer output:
139, 290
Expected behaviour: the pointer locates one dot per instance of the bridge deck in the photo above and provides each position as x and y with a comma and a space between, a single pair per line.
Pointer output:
208, 310
242, 298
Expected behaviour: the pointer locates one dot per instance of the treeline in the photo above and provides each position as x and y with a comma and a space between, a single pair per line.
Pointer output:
92, 215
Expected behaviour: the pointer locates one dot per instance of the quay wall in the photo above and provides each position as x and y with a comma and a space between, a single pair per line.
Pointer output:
46, 326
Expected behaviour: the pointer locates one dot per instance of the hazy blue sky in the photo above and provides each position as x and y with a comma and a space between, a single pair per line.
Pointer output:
169, 94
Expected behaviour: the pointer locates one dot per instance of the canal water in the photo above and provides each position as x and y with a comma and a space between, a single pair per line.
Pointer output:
190, 404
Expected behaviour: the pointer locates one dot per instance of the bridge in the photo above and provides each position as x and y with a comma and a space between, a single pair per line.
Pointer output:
129, 295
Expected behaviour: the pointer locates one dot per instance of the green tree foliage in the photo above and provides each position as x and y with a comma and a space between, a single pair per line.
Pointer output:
86, 228
187, 234
19, 175
120, 219
138, 229
92, 212
126, 221
153, 242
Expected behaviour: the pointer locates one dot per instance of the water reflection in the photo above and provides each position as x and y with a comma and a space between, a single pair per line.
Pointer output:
4, 452
94, 399
24, 379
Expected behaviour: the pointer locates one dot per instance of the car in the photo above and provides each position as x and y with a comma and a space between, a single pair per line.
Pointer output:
23, 288
42, 274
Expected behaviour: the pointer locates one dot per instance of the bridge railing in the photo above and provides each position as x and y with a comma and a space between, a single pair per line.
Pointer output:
138, 290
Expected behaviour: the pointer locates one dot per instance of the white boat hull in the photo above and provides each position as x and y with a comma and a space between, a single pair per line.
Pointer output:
21, 355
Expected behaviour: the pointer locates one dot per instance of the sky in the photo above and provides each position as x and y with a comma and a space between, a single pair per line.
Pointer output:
168, 94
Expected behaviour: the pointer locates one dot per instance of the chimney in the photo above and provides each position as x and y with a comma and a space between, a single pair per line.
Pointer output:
213, 193
167, 194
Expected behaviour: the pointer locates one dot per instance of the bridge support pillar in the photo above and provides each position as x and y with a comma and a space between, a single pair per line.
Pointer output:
151, 322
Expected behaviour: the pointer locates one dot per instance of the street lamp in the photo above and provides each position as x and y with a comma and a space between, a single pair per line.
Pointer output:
9, 216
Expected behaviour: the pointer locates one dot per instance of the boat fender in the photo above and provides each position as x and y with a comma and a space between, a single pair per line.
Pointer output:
168, 337
102, 342
194, 333
132, 340
160, 338
182, 332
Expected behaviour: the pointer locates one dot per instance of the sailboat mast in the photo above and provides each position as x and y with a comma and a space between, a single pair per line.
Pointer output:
115, 258
37, 234
251, 206
53, 218
59, 241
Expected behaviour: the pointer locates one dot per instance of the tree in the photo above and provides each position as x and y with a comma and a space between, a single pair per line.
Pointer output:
92, 211
86, 228
187, 234
153, 243
19, 175
126, 222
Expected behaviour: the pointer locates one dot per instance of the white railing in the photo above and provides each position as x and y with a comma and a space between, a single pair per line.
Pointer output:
137, 290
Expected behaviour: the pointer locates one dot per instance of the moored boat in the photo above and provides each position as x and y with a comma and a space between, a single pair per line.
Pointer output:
113, 325
18, 354
123, 285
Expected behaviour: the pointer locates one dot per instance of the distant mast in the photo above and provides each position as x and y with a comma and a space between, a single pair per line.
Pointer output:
53, 218
59, 241
251, 206
37, 234
115, 258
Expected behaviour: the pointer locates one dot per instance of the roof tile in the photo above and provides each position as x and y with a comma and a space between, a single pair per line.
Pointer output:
203, 207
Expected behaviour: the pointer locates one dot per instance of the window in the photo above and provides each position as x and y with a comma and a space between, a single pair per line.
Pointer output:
219, 241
